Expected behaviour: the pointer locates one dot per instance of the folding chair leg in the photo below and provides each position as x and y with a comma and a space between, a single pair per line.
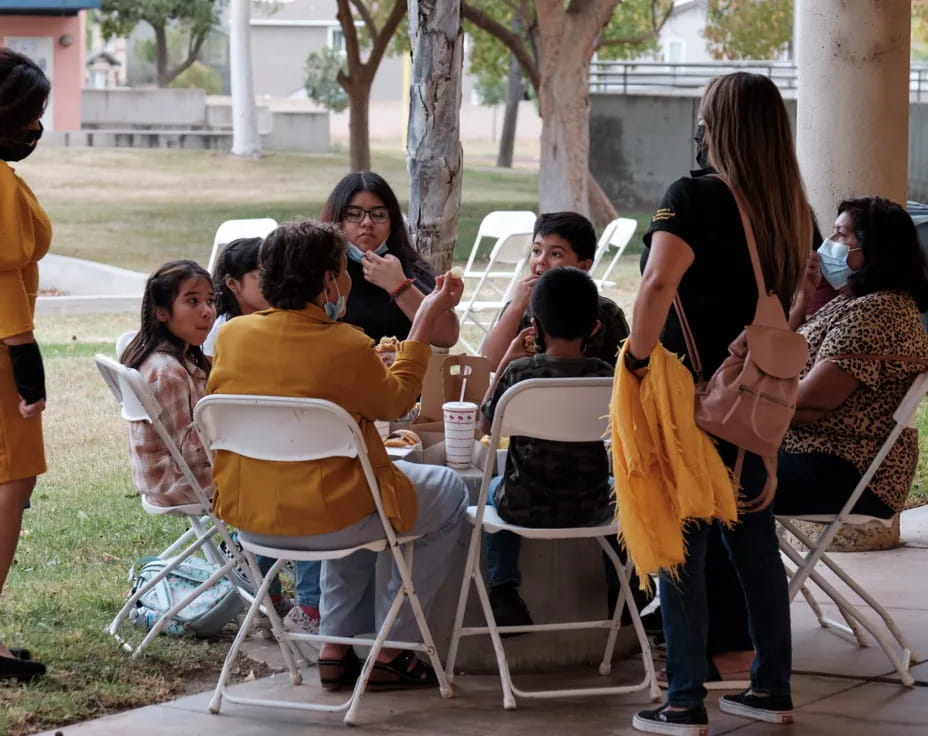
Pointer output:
215, 702
509, 699
626, 599
471, 569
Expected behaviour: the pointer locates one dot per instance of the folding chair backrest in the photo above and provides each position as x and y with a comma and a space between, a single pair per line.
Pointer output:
233, 230
122, 342
908, 407
498, 224
617, 234
511, 249
560, 409
277, 428
284, 429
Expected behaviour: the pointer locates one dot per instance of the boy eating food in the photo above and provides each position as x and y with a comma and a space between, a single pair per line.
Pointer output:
560, 239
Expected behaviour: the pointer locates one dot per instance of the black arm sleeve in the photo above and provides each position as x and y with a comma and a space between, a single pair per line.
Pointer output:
28, 371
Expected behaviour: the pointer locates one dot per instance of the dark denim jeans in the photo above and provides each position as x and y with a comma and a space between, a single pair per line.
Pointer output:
753, 549
502, 549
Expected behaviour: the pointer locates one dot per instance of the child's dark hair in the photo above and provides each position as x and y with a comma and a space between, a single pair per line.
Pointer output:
565, 304
294, 260
236, 259
367, 181
161, 289
24, 91
573, 227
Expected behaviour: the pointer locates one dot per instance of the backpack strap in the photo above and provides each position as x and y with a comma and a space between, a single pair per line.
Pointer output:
688, 337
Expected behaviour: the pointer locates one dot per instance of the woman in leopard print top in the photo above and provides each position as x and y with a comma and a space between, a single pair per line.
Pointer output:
865, 347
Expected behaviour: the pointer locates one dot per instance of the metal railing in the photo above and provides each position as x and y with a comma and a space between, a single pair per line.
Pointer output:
624, 77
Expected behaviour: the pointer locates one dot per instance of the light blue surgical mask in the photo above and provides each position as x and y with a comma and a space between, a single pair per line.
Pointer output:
833, 257
334, 309
356, 254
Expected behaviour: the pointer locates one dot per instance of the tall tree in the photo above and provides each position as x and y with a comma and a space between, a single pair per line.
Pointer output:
195, 18
555, 47
748, 29
359, 77
433, 142
245, 139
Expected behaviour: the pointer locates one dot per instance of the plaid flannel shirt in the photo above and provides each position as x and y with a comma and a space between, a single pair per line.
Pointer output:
155, 474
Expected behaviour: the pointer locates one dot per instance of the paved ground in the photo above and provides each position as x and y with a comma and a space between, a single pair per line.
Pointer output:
838, 688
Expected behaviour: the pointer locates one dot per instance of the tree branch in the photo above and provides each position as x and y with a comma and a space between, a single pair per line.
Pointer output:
352, 46
366, 17
509, 39
193, 53
656, 26
381, 40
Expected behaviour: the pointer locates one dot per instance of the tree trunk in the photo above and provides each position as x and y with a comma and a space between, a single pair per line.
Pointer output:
433, 142
513, 98
161, 55
359, 98
245, 140
565, 137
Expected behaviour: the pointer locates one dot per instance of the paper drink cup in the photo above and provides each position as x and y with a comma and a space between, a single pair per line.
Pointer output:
460, 423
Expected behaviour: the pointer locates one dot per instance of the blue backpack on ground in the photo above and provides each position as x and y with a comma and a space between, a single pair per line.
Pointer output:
206, 615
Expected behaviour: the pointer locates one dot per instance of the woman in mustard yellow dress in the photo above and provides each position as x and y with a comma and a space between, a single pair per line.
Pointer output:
25, 234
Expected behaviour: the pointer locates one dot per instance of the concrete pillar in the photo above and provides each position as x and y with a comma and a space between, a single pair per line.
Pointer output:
852, 124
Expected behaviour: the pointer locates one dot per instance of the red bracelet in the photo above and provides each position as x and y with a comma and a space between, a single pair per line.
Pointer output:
401, 288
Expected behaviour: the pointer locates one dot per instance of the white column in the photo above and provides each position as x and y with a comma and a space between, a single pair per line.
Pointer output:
852, 124
245, 140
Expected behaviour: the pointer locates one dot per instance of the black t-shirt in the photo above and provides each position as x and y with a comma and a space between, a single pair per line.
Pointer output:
718, 291
372, 309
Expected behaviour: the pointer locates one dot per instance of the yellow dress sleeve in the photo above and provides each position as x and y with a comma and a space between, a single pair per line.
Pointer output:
25, 235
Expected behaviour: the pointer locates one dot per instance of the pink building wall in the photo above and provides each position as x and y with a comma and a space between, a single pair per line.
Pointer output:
67, 61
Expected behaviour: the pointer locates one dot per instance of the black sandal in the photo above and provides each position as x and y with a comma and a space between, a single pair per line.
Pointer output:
334, 674
23, 670
398, 675
20, 653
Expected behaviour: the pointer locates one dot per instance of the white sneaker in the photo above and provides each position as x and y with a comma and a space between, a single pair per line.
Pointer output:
297, 621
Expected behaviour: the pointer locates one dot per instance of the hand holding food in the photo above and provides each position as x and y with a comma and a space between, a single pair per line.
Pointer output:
386, 349
446, 295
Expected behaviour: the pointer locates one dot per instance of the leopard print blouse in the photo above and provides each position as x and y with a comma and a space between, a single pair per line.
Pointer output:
883, 323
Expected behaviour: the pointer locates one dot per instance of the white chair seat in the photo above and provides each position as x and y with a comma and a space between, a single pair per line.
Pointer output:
492, 523
266, 550
190, 509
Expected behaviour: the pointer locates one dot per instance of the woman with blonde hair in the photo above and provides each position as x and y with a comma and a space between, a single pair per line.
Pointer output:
696, 248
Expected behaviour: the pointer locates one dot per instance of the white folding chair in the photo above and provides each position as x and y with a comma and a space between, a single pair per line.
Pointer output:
806, 564
138, 404
566, 410
302, 430
617, 234
494, 287
122, 342
234, 229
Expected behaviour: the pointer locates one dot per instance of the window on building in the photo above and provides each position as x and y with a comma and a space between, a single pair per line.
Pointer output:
675, 51
336, 39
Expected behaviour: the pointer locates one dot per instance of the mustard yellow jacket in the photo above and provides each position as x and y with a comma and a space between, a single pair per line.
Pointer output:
667, 470
303, 353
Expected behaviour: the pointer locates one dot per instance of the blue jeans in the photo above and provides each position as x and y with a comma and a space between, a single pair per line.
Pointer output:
753, 549
306, 583
502, 549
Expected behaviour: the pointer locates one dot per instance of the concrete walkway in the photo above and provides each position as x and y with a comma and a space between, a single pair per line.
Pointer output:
838, 688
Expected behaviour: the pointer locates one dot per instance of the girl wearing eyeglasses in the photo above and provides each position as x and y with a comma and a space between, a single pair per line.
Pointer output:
389, 278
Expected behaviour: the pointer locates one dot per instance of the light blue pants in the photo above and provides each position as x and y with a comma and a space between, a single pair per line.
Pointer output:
350, 603
306, 585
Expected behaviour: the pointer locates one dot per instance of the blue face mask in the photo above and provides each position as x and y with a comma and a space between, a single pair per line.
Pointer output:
356, 254
335, 309
834, 266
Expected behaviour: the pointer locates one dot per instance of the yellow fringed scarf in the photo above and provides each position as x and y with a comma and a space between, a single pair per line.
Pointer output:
667, 470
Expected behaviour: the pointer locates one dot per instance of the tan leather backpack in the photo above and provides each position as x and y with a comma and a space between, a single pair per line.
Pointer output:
751, 399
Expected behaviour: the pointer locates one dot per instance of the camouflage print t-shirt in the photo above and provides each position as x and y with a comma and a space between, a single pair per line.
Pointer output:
551, 484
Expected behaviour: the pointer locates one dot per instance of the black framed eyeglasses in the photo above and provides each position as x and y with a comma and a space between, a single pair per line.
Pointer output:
378, 215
